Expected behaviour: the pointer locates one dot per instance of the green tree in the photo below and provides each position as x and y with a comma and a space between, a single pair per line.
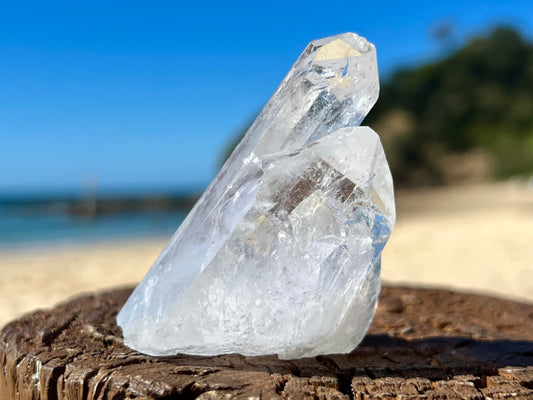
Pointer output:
479, 97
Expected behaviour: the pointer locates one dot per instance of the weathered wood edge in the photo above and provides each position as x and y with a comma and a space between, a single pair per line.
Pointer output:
423, 344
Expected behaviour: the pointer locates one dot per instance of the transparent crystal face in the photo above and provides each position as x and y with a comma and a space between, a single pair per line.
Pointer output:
281, 254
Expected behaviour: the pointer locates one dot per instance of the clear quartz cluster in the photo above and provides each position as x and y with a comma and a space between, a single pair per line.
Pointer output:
281, 254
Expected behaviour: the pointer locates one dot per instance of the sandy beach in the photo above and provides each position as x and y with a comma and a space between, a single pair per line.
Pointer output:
471, 238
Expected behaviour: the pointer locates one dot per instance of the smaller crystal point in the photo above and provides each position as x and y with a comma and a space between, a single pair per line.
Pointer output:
281, 254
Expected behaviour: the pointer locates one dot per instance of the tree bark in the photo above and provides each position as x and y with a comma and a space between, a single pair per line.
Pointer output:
423, 344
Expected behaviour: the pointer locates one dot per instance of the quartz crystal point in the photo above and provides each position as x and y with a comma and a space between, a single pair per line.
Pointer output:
281, 254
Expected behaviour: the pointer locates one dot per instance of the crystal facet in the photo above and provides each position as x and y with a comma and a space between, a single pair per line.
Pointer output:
282, 252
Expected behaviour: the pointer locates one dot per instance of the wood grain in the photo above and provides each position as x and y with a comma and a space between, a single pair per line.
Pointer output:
423, 344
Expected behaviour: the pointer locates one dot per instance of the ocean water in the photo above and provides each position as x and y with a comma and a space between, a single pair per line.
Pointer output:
20, 228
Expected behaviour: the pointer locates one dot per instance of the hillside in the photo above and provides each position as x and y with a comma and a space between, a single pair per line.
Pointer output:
468, 116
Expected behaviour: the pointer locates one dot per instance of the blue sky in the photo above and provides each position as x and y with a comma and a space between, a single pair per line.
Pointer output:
145, 95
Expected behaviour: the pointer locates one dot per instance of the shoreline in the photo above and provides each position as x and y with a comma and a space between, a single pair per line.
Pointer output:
39, 248
470, 239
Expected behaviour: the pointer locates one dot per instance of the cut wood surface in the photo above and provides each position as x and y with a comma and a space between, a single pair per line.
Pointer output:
423, 344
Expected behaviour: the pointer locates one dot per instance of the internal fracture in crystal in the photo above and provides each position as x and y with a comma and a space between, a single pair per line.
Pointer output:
281, 254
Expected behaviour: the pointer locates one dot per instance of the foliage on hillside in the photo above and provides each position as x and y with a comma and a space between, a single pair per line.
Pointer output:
476, 104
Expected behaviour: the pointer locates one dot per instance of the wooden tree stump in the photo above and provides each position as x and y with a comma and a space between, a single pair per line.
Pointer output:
423, 344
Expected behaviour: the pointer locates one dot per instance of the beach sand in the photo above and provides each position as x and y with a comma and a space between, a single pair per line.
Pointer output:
471, 238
